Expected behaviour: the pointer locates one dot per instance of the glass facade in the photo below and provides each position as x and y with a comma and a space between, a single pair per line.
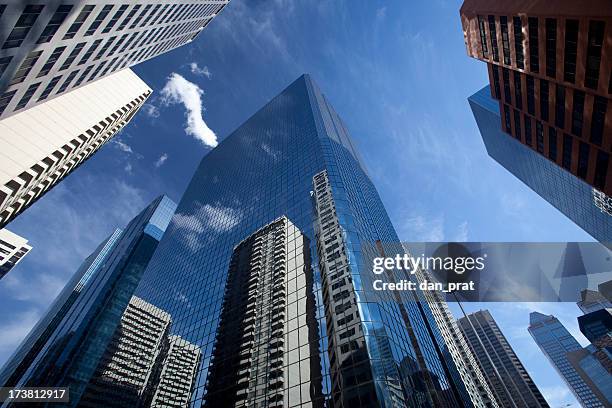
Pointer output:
65, 347
390, 353
556, 342
570, 195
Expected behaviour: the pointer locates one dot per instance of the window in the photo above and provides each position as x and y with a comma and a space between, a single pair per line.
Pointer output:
506, 76
140, 16
534, 47
560, 107
51, 61
78, 22
530, 95
4, 63
552, 144
517, 124
148, 19
527, 121
496, 87
90, 51
5, 99
539, 137
583, 160
97, 71
27, 96
23, 26
99, 19
54, 24
83, 76
518, 42
507, 119
551, 47
601, 168
577, 112
567, 152
503, 22
596, 34
77, 49
493, 35
571, 49
115, 18
67, 81
598, 120
121, 40
518, 95
483, 36
23, 70
127, 19
544, 99
49, 88
103, 49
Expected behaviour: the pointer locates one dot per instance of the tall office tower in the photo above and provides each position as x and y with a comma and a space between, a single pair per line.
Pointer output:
501, 366
42, 145
566, 192
12, 250
592, 300
49, 48
126, 366
261, 172
177, 373
457, 347
550, 68
266, 351
556, 342
64, 349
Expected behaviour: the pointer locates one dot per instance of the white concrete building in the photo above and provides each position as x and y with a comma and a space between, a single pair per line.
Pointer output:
41, 145
12, 250
48, 48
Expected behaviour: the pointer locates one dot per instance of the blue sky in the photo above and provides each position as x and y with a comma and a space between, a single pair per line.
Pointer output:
398, 74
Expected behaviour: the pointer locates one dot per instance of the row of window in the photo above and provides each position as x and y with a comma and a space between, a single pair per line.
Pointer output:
100, 71
585, 151
600, 104
596, 31
169, 13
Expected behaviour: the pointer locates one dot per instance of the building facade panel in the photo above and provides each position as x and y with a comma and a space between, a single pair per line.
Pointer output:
42, 145
12, 250
49, 48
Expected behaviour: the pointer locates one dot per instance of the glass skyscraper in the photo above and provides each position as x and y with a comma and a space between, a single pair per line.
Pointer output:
556, 343
295, 160
572, 196
65, 347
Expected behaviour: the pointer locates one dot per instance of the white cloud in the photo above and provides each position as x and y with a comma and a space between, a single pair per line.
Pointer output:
556, 395
41, 291
15, 330
162, 159
462, 232
121, 145
421, 229
151, 110
180, 90
128, 168
381, 13
196, 70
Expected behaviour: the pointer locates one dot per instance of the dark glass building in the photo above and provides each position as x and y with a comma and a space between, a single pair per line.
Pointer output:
66, 346
572, 196
295, 159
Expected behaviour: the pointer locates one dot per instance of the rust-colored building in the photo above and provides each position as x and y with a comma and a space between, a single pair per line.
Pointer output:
550, 67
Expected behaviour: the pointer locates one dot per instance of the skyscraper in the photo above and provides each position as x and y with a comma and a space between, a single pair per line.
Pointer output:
567, 193
64, 349
48, 48
556, 342
507, 376
550, 69
12, 250
42, 145
592, 300
295, 158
